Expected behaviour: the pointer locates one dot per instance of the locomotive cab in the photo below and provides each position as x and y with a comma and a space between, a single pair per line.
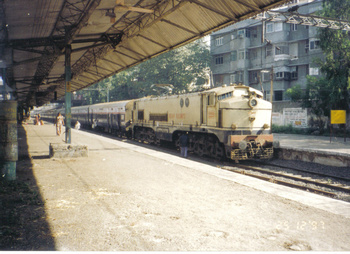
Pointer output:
247, 116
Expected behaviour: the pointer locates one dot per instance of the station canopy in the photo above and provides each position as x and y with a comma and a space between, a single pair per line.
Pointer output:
105, 36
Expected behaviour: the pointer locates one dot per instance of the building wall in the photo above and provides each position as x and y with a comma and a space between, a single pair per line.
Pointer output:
242, 53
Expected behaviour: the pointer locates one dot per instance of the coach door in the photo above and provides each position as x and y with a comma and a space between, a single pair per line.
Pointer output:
203, 112
220, 118
211, 110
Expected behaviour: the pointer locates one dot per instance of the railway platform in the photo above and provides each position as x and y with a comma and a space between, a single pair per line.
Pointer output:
139, 198
333, 151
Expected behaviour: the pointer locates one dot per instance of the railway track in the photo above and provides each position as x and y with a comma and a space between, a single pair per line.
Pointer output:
322, 187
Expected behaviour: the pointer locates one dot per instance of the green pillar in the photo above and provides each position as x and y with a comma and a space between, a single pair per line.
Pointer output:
8, 137
68, 96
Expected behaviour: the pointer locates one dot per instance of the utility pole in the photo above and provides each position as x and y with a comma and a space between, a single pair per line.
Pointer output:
271, 88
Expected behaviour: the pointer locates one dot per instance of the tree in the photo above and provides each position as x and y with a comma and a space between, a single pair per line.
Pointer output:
182, 68
336, 47
331, 91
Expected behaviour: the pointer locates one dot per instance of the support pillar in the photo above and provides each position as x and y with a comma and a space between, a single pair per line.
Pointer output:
68, 96
8, 135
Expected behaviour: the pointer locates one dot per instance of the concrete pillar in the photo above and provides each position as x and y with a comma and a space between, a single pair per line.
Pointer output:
8, 140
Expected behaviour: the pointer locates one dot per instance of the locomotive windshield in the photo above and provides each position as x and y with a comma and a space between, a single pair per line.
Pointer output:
224, 96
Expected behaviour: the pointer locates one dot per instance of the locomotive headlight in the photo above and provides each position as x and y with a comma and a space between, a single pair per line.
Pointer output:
243, 145
252, 103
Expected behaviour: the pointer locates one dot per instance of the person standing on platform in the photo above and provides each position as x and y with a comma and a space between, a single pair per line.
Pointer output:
36, 121
184, 144
77, 125
59, 123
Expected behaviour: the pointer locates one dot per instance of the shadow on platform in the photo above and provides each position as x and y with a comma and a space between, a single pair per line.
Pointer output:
23, 223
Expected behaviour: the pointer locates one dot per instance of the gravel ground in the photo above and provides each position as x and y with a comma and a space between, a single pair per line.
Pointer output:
119, 199
342, 172
314, 167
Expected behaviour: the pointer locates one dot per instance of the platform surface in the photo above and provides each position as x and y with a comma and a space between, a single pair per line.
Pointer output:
335, 145
139, 198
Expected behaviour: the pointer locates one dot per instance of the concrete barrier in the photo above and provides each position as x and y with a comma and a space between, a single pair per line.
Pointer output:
324, 158
67, 150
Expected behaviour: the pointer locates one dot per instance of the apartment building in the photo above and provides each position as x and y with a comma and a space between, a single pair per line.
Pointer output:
253, 51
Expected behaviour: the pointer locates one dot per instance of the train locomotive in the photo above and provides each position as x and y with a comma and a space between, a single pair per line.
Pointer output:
229, 121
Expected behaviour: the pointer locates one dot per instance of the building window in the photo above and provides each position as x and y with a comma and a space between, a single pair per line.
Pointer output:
240, 78
293, 27
247, 33
294, 74
232, 78
283, 75
307, 46
278, 26
219, 80
279, 75
314, 71
266, 76
219, 59
219, 41
247, 56
282, 50
234, 56
254, 32
268, 50
237, 77
269, 28
253, 54
278, 96
253, 77
241, 54
314, 44
241, 33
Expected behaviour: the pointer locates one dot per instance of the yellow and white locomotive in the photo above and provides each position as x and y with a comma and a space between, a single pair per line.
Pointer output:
231, 121
228, 121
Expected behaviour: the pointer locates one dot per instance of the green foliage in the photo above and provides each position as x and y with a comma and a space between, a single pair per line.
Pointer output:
336, 65
331, 91
182, 68
288, 129
295, 93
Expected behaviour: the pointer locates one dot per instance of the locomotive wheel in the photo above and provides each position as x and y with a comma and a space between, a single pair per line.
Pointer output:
201, 150
210, 148
151, 137
219, 151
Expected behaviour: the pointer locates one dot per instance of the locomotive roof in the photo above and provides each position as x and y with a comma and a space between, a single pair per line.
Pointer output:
111, 104
224, 89
218, 90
